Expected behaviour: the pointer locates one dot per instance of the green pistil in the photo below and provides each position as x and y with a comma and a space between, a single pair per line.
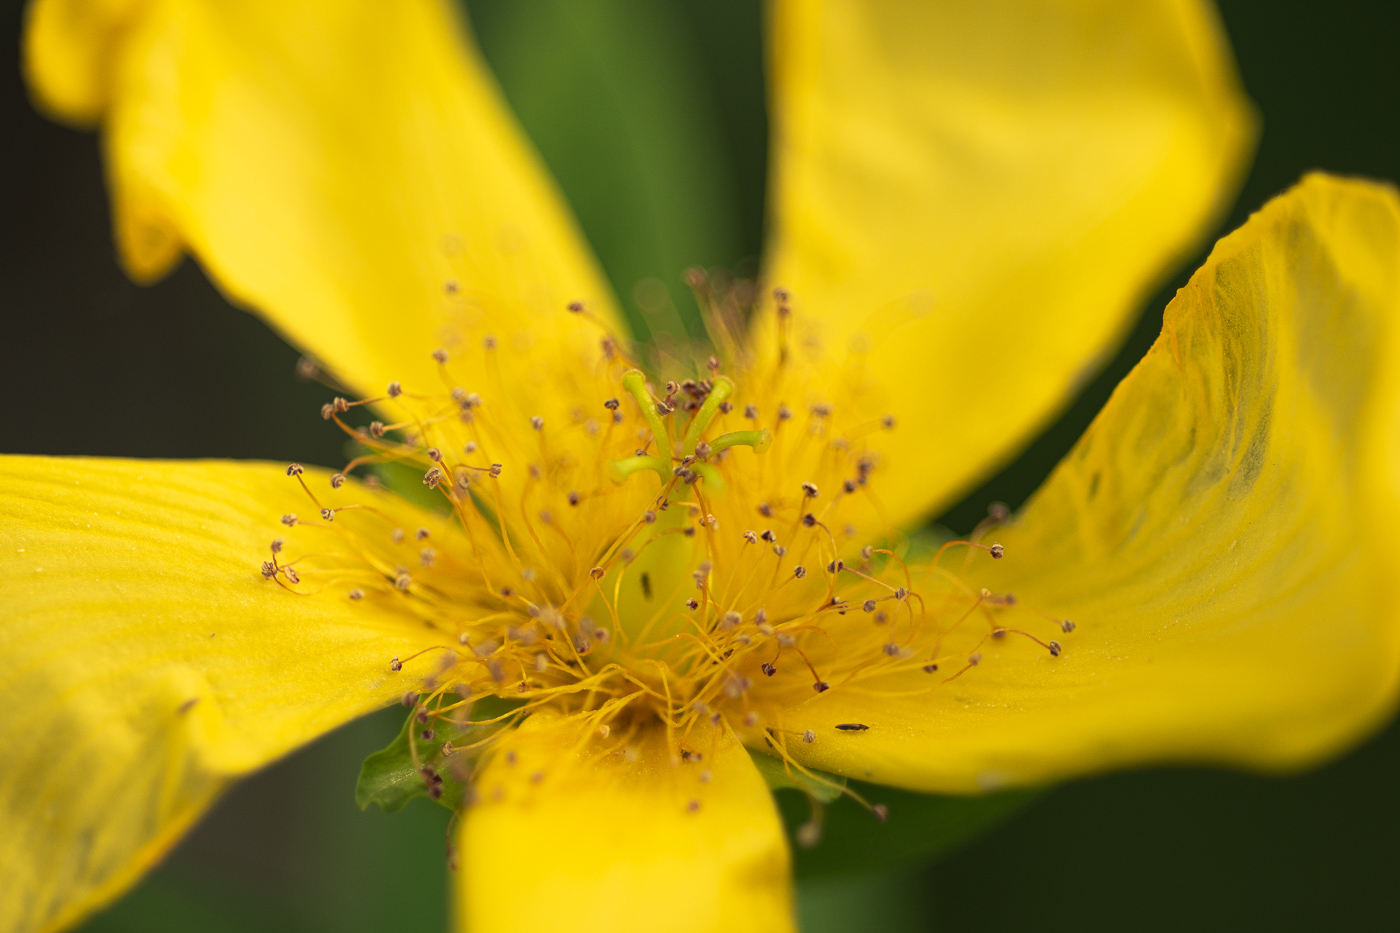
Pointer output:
721, 389
636, 384
758, 440
619, 470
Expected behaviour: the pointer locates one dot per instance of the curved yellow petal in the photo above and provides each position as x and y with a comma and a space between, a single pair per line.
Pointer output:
147, 661
1223, 536
577, 834
344, 167
971, 200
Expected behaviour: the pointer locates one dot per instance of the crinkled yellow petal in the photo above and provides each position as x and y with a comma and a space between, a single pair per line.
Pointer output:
576, 834
1223, 535
147, 661
971, 200
334, 165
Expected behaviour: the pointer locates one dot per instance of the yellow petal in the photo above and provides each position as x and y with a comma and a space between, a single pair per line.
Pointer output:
579, 834
973, 198
147, 661
1223, 536
334, 165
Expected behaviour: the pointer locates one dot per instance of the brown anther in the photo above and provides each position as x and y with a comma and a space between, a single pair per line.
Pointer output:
693, 806
768, 669
440, 355
821, 409
784, 413
997, 550
295, 469
1066, 626
687, 460
751, 411
887, 422
809, 736
765, 510
725, 408
357, 594
821, 686
869, 605
760, 617
835, 566
289, 519
849, 486
376, 428
1054, 647
328, 514
930, 668
900, 593
867, 552
768, 535
469, 448
409, 698
880, 617
507, 592
307, 369
495, 470
713, 363
626, 554
649, 517
396, 536
787, 639
395, 389
810, 490
395, 665
573, 497
537, 423
780, 550
427, 735
340, 404
337, 480
434, 455
427, 556
799, 571
751, 537
692, 604
432, 478
576, 307
975, 658
664, 409
276, 545
880, 812
402, 582
269, 570
730, 620
998, 511
673, 388
809, 520
892, 649
597, 573
702, 450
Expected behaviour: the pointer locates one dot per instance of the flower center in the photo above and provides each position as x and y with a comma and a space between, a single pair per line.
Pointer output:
687, 554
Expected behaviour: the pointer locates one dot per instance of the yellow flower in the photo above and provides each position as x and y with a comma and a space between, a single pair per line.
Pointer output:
968, 204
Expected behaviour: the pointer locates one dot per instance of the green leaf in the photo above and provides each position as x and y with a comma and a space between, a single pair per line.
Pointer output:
824, 787
919, 827
388, 777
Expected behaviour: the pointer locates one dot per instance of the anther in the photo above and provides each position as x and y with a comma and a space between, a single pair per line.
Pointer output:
869, 605
799, 571
307, 368
867, 552
337, 480
881, 812
1066, 626
765, 510
768, 535
434, 455
784, 413
402, 582
975, 658
376, 428
809, 520
1054, 647
732, 619
328, 514
998, 511
295, 469
396, 536
997, 550
537, 423
269, 570
769, 668
573, 497
692, 603
395, 665
821, 686
395, 389
576, 307
930, 668
357, 594
432, 478
440, 355
900, 593
809, 736
495, 470
887, 422
849, 486
713, 363
780, 550
611, 404
751, 411
427, 556
760, 618
649, 517
835, 566
289, 519
751, 537
693, 806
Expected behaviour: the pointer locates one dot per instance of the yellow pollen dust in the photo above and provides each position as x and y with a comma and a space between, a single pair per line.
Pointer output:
698, 555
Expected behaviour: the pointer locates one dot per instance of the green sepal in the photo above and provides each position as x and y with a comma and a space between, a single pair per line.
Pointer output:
824, 787
388, 777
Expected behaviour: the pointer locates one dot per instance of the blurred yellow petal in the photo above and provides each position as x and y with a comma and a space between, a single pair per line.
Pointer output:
1223, 535
972, 199
577, 834
146, 662
345, 167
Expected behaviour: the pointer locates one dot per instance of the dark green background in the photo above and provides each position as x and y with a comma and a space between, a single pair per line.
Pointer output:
652, 116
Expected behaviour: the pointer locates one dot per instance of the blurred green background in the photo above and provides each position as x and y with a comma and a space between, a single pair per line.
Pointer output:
651, 114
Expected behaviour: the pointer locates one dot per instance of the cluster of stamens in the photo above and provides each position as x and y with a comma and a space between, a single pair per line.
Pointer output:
689, 555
